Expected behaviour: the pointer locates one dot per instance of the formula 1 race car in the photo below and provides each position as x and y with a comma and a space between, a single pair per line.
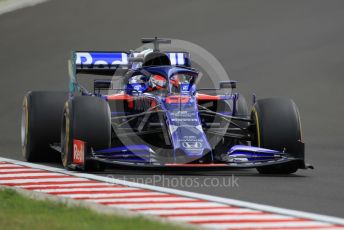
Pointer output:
157, 118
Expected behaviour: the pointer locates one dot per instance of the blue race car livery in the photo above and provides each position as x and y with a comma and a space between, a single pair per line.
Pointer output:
158, 118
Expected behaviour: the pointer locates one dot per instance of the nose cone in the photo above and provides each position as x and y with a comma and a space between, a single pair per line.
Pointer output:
187, 136
189, 144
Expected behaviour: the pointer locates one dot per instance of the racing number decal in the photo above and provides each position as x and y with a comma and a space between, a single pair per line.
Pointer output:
78, 152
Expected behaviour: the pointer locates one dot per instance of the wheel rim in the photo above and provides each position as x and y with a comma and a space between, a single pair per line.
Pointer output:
24, 126
65, 138
254, 117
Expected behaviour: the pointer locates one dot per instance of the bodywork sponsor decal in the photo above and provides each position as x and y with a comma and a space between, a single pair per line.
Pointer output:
78, 152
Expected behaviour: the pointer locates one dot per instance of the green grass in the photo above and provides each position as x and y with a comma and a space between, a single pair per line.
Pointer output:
19, 212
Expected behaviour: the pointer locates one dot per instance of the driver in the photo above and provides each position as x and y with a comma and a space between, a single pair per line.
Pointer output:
157, 82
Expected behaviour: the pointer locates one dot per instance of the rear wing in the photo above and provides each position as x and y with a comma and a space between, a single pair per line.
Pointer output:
99, 62
111, 62
103, 63
179, 58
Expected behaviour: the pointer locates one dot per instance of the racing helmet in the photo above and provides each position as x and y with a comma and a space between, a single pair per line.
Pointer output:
157, 82
137, 79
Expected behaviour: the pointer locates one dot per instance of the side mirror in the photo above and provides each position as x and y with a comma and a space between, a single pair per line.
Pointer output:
228, 84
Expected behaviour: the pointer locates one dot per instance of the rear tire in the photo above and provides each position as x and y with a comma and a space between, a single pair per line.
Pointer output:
277, 127
87, 119
41, 122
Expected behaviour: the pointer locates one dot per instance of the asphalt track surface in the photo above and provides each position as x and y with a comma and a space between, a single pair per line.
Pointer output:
274, 48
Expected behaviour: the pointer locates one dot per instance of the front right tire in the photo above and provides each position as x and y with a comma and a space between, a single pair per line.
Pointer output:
277, 126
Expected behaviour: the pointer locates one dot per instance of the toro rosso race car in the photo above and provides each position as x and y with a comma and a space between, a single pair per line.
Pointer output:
157, 118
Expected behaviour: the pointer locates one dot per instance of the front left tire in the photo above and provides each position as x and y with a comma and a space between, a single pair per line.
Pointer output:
88, 119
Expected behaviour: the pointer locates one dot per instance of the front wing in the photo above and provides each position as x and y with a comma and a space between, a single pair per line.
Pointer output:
238, 157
